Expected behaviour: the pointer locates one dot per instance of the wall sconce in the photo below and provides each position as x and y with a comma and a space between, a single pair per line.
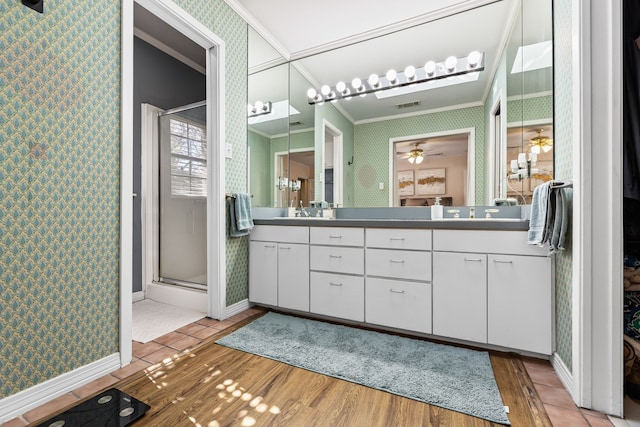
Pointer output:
259, 109
411, 75
523, 166
37, 5
282, 182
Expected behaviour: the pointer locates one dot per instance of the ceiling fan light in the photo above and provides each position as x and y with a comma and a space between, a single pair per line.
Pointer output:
411, 159
419, 159
546, 148
535, 149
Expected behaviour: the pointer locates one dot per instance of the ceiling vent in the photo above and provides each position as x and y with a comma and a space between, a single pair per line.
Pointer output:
407, 105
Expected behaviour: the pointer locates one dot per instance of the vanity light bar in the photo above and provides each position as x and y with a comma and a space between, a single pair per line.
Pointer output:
259, 109
452, 66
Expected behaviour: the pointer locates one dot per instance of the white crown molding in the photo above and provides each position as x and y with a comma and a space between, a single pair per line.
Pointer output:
391, 28
260, 29
531, 95
169, 51
420, 113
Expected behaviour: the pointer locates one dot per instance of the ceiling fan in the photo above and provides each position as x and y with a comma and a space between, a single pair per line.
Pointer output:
540, 142
416, 154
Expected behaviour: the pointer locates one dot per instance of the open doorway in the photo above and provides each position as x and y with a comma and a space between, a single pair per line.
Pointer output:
333, 165
427, 166
163, 29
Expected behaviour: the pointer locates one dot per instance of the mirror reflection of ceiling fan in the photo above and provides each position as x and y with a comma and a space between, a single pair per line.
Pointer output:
540, 142
416, 154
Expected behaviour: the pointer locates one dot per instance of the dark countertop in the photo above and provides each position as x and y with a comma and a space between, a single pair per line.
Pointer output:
451, 224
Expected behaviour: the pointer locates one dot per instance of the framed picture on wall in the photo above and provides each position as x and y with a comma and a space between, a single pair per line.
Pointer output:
405, 183
431, 181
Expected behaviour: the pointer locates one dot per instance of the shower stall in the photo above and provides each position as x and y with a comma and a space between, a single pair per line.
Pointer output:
182, 197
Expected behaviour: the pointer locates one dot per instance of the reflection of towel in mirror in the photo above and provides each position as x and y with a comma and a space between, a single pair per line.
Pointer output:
240, 218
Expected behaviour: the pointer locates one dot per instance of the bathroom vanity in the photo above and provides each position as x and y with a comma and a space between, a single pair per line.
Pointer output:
470, 281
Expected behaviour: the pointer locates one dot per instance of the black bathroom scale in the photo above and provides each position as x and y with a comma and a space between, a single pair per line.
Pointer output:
111, 408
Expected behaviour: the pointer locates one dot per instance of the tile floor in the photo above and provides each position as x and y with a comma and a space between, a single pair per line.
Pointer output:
561, 409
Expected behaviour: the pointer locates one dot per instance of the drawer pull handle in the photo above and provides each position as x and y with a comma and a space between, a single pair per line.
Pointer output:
335, 237
270, 246
335, 284
502, 262
397, 238
473, 259
285, 248
395, 291
335, 256
397, 261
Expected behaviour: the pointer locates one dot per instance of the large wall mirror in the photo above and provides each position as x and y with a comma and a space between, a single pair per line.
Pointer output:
467, 138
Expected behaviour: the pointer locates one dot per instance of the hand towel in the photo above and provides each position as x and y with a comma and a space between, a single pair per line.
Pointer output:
537, 222
240, 219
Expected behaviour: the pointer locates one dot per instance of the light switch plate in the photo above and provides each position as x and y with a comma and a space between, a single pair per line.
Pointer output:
381, 186
228, 150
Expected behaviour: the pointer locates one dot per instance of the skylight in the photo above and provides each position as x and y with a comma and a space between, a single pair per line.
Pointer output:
533, 57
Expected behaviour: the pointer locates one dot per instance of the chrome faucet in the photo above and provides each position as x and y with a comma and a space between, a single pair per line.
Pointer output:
303, 211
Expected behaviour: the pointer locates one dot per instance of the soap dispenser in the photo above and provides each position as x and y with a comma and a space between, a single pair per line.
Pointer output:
436, 209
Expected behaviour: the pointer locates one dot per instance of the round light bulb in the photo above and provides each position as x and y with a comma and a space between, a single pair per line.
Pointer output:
325, 90
259, 105
374, 80
410, 72
392, 75
430, 68
341, 86
451, 63
311, 93
356, 83
473, 59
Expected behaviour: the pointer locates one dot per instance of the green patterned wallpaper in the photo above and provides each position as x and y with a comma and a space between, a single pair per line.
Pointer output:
371, 150
59, 188
260, 159
563, 157
529, 109
60, 180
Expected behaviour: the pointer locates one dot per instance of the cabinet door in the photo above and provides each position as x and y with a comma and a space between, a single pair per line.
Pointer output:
293, 276
460, 295
520, 302
263, 272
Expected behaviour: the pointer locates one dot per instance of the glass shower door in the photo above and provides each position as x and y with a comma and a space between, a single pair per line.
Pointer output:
183, 197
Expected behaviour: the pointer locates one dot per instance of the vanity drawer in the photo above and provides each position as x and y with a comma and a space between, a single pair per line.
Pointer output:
337, 295
280, 233
337, 236
337, 259
398, 238
489, 241
414, 265
398, 304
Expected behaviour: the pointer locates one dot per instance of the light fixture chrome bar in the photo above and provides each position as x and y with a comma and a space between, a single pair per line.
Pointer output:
259, 109
450, 67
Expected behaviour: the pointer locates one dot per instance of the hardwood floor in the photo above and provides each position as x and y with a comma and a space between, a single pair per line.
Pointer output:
217, 386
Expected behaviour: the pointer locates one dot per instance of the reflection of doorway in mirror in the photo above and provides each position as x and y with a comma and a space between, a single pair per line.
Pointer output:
452, 152
332, 159
301, 176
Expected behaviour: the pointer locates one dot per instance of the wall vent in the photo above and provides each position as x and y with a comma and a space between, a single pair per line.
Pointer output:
408, 105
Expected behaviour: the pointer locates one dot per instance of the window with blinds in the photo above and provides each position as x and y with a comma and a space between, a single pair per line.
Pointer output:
188, 159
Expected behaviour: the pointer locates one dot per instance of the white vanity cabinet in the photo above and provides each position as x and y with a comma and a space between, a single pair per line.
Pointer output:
491, 287
337, 269
279, 266
398, 278
460, 295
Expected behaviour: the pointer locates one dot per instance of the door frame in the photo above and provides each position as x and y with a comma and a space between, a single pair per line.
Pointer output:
180, 20
338, 167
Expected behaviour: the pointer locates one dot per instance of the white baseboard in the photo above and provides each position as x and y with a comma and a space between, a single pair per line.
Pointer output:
192, 299
566, 377
138, 296
236, 308
19, 403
